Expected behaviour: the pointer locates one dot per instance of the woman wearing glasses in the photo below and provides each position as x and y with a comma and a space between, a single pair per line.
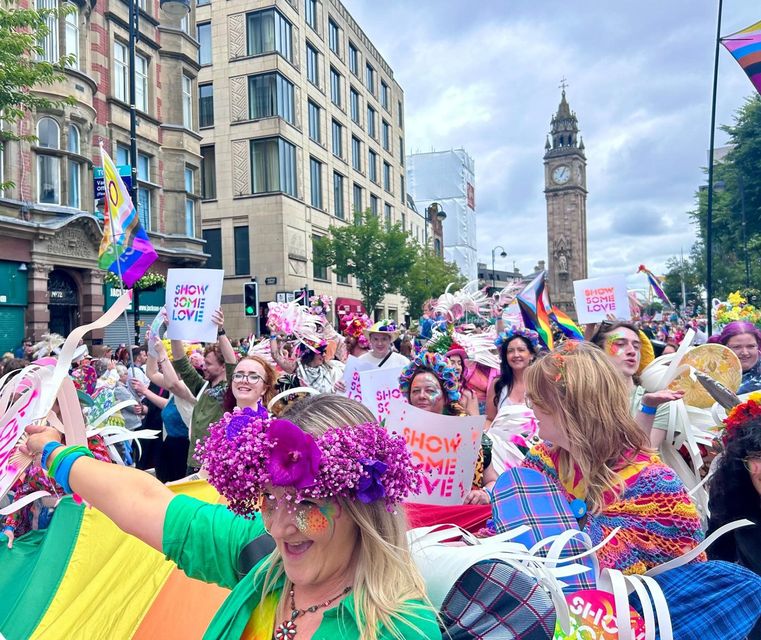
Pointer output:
252, 385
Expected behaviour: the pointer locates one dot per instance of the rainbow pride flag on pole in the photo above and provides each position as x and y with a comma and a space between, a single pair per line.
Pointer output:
655, 284
125, 249
566, 324
745, 47
534, 302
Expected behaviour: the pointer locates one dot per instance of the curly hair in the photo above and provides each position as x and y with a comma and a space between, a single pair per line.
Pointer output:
270, 379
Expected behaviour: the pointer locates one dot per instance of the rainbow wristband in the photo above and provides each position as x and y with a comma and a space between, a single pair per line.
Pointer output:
648, 411
46, 451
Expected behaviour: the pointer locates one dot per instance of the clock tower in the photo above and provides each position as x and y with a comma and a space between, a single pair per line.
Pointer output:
565, 188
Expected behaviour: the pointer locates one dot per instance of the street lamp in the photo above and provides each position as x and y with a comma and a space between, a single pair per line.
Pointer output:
433, 211
501, 255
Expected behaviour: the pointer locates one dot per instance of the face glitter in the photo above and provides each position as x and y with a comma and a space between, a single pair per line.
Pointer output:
310, 518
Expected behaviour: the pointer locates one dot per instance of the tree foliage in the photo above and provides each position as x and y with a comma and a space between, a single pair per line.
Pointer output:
428, 278
21, 69
379, 257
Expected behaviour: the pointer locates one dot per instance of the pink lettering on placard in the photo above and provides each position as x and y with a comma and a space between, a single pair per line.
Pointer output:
438, 486
12, 430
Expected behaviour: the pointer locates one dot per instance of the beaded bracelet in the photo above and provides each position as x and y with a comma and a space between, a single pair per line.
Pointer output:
46, 451
648, 411
60, 468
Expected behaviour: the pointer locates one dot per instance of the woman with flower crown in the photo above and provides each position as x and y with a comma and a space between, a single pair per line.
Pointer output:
327, 492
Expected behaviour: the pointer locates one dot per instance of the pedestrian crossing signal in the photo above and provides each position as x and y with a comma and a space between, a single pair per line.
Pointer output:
251, 299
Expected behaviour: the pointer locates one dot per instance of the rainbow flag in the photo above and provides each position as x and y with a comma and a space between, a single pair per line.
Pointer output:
535, 305
655, 284
566, 324
125, 246
85, 578
745, 47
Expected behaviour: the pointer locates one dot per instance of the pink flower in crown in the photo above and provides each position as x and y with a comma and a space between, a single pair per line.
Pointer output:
294, 460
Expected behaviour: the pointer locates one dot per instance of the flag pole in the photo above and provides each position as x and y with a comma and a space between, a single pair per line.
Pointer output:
709, 212
118, 266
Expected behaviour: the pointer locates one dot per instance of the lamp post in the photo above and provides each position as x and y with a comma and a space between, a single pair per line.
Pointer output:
433, 211
501, 255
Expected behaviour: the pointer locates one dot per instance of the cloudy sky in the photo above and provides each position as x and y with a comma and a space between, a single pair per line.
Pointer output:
484, 76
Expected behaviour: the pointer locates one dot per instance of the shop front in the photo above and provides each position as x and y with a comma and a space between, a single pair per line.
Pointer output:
123, 332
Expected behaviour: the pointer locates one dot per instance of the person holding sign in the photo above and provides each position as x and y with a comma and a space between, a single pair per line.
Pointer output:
431, 384
326, 484
381, 336
601, 460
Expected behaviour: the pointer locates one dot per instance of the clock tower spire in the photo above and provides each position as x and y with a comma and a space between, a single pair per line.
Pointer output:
565, 189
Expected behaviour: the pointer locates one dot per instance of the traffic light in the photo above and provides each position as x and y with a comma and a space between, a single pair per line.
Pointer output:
251, 299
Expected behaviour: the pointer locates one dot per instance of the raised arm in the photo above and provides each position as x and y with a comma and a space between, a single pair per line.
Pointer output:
228, 353
289, 366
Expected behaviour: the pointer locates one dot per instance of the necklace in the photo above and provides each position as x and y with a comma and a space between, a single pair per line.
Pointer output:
287, 630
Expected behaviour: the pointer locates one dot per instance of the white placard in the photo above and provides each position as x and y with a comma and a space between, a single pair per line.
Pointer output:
379, 387
596, 298
445, 446
354, 366
192, 296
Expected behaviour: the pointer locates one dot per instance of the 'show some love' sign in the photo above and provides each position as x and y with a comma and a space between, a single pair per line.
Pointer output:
446, 447
380, 387
192, 296
597, 298
354, 366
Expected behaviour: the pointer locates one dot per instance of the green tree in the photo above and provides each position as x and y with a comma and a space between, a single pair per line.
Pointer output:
21, 67
429, 277
379, 257
692, 270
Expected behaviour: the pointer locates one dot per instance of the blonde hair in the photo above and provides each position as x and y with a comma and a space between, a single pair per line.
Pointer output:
588, 397
386, 577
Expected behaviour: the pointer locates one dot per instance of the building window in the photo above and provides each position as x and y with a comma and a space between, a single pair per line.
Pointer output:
387, 214
371, 113
384, 95
342, 279
144, 190
270, 95
74, 184
273, 166
48, 167
386, 135
203, 31
338, 195
353, 59
190, 204
372, 165
334, 37
242, 252
387, 182
318, 272
403, 192
370, 78
314, 122
313, 69
401, 150
121, 72
354, 105
72, 34
268, 31
335, 87
213, 238
187, 102
356, 199
141, 83
208, 173
206, 105
49, 42
403, 220
315, 182
356, 154
374, 201
310, 13
338, 147
400, 114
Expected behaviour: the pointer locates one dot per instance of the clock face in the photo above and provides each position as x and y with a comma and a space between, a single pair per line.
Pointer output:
561, 174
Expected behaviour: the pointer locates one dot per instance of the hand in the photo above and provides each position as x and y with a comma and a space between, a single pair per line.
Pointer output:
138, 409
39, 436
657, 398
138, 386
477, 496
218, 318
340, 386
11, 537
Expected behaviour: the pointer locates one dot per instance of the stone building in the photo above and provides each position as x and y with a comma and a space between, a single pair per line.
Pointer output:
49, 235
303, 125
565, 179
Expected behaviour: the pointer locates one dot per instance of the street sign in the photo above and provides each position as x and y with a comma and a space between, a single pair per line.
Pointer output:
270, 280
99, 180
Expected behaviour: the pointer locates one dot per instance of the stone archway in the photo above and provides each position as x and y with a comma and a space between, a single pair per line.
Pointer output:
63, 302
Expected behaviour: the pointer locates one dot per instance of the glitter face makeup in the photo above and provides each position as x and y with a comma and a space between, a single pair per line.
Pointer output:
310, 518
624, 347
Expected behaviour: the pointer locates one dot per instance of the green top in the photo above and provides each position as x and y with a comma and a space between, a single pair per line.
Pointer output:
208, 409
661, 420
205, 540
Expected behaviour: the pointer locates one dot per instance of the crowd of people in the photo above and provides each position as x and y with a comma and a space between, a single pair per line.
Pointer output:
326, 481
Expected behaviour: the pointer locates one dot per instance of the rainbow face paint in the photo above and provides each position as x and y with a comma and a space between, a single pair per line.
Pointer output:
310, 518
616, 342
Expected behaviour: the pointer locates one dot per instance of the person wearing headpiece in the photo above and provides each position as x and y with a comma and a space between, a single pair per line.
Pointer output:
312, 365
381, 335
322, 486
458, 360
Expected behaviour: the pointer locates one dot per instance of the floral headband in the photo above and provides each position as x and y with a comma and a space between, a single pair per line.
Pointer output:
308, 346
355, 323
512, 332
436, 364
740, 415
244, 453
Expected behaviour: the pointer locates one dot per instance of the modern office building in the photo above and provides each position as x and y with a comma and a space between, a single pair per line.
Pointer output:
49, 235
448, 177
303, 125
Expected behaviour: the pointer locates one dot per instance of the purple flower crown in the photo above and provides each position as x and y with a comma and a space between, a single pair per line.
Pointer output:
436, 364
512, 332
244, 453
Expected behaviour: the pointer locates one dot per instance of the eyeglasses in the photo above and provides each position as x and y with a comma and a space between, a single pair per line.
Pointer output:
241, 376
749, 459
